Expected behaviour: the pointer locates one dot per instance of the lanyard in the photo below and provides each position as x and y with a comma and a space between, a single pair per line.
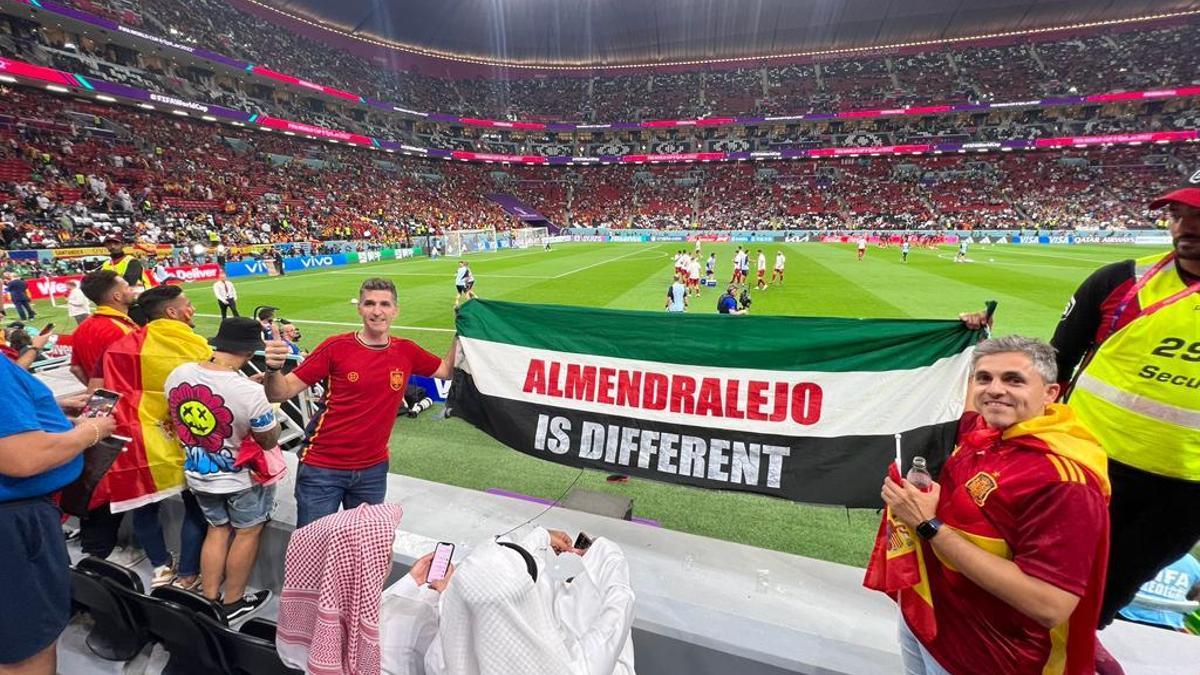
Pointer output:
1139, 285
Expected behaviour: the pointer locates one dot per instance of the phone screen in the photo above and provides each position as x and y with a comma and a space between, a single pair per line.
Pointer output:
583, 541
101, 404
48, 328
442, 553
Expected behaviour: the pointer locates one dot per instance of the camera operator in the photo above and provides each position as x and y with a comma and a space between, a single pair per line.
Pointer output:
728, 302
290, 334
744, 300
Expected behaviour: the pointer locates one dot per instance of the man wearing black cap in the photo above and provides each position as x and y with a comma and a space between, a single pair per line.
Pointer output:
1135, 326
213, 407
127, 266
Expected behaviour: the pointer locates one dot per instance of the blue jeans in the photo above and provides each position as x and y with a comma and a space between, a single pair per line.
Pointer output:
147, 529
917, 659
319, 492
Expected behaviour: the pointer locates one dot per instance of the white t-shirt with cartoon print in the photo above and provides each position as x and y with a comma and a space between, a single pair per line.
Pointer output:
211, 412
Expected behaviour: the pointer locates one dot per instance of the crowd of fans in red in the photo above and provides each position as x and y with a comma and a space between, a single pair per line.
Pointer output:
73, 172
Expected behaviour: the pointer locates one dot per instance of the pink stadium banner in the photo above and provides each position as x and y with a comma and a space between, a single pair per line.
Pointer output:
313, 130
331, 91
1111, 139
40, 73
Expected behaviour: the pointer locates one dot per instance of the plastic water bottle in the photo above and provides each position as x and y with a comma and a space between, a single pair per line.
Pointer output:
919, 475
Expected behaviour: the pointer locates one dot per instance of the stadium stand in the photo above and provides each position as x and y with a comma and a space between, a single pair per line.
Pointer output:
72, 172
1134, 59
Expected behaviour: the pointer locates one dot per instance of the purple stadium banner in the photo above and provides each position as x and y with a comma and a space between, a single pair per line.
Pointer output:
221, 58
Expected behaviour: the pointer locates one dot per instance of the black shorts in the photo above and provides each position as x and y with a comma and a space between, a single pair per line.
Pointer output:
460, 289
34, 565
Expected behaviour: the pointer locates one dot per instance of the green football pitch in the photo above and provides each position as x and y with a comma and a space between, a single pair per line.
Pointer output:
1031, 284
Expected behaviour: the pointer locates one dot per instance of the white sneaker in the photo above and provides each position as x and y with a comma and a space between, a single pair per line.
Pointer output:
126, 556
163, 574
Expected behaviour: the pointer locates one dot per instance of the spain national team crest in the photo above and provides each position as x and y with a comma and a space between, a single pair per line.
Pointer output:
397, 380
980, 486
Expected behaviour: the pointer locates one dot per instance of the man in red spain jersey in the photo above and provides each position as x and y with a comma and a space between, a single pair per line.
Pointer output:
113, 297
345, 459
1012, 538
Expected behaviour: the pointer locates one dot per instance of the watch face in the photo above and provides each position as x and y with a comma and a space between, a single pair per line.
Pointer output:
927, 529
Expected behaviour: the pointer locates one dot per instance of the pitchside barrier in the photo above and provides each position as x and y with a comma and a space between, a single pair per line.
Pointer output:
1141, 237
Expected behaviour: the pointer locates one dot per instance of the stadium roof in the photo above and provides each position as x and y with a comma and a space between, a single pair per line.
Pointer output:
611, 32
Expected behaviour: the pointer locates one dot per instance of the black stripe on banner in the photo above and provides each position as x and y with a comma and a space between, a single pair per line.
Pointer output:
847, 470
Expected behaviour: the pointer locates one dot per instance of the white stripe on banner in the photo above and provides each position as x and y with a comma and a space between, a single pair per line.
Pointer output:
813, 403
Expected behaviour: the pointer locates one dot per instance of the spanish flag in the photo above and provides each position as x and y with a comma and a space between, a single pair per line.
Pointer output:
897, 567
137, 366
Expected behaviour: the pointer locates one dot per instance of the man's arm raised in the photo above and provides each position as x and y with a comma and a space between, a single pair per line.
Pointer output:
280, 387
445, 371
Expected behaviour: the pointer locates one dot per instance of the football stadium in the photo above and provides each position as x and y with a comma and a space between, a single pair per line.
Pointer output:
760, 337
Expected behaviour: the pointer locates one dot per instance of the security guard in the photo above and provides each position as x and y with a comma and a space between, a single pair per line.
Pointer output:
126, 265
1135, 326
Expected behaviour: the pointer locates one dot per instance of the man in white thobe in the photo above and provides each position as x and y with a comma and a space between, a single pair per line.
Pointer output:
490, 617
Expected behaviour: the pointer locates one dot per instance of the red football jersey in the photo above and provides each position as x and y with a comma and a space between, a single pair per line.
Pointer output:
95, 335
363, 391
1042, 511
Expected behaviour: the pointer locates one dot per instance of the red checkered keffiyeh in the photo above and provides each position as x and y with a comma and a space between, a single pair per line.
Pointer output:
333, 578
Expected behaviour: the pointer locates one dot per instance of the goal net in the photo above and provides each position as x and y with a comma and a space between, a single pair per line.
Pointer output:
529, 236
460, 242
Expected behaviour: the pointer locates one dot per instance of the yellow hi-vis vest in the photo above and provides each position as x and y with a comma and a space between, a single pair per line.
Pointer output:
1140, 393
123, 265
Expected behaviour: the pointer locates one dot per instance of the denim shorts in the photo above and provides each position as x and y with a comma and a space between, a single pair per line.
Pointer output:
37, 588
243, 509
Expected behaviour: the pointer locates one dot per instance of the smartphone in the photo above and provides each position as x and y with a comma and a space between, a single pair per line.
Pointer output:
440, 565
101, 404
47, 329
582, 542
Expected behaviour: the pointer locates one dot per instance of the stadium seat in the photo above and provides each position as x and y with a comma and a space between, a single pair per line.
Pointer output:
251, 651
177, 628
190, 600
112, 571
116, 635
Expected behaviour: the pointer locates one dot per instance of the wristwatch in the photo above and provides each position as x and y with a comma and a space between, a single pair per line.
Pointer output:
929, 529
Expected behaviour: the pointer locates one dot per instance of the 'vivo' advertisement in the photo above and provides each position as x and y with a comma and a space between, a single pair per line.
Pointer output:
301, 263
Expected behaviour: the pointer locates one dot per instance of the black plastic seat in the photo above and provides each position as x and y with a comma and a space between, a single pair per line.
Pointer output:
190, 600
110, 570
250, 652
116, 634
177, 628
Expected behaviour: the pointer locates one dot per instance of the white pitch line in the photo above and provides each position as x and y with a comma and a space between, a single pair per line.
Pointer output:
346, 323
605, 262
1058, 256
447, 274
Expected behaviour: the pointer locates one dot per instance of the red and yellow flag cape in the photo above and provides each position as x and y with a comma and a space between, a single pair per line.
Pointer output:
137, 366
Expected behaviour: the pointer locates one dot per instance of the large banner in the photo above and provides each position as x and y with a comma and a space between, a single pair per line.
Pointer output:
804, 409
41, 288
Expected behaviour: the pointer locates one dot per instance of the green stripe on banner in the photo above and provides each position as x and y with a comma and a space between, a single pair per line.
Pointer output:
760, 342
